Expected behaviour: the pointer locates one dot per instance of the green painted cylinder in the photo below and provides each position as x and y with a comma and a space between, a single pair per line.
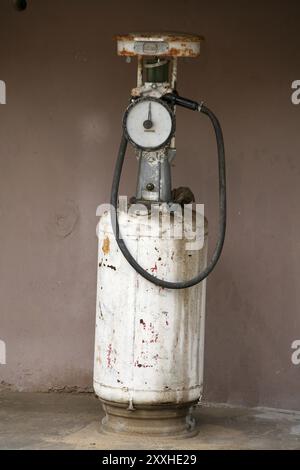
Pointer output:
157, 74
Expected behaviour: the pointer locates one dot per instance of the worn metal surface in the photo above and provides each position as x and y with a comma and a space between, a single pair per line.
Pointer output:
159, 44
149, 89
149, 341
154, 168
160, 420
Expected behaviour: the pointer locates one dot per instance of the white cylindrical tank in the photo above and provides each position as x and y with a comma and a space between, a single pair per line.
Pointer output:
149, 340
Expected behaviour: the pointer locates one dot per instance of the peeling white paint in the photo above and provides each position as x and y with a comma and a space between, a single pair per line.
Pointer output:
149, 341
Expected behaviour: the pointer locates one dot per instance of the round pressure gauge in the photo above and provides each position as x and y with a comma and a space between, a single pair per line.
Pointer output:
149, 123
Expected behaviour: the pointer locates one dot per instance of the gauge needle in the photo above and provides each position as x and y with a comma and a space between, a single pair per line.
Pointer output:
148, 123
149, 113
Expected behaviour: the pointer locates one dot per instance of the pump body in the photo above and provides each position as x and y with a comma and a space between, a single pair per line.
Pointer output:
149, 340
149, 346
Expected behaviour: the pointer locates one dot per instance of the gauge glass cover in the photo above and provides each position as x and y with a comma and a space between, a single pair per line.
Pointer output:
149, 123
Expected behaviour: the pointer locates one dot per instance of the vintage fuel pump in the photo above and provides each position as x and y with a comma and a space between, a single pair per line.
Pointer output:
151, 288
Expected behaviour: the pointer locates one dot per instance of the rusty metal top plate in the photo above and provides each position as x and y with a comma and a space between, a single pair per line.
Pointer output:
159, 44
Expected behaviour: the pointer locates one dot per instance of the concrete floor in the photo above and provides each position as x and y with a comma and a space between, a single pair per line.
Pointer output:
72, 421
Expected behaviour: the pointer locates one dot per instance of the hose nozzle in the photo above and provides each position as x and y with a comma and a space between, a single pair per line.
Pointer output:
175, 99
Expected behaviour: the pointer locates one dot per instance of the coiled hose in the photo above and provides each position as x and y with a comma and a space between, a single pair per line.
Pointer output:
222, 211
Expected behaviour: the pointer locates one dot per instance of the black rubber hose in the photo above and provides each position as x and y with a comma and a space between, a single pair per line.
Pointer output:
222, 212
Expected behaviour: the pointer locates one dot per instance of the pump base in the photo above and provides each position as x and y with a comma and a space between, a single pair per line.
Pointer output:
170, 420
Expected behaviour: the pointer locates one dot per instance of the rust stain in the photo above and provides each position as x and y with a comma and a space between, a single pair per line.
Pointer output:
126, 53
166, 36
180, 44
184, 52
106, 246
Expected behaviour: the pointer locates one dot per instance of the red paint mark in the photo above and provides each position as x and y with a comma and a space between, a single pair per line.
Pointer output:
109, 351
154, 269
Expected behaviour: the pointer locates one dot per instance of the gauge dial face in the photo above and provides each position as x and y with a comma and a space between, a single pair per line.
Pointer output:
149, 123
